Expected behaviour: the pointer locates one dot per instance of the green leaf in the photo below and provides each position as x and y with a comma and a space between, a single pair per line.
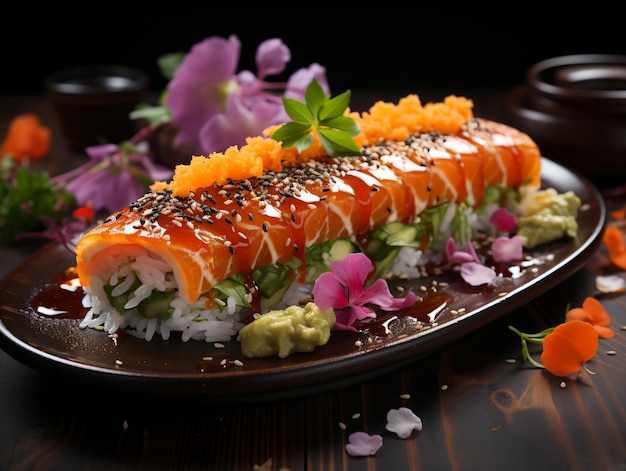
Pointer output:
168, 63
344, 124
297, 111
334, 107
290, 132
315, 96
337, 143
322, 114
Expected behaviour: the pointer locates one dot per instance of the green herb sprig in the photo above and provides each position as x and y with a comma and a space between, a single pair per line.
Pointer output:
26, 198
323, 114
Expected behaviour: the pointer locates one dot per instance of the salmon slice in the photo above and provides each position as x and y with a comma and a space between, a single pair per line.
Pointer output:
511, 157
220, 230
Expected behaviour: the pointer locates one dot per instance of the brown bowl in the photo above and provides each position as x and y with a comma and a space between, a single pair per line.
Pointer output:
575, 109
93, 103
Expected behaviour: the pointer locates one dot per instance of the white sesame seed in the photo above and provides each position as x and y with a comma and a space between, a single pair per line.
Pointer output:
342, 426
238, 362
611, 352
444, 387
405, 396
563, 384
218, 345
356, 416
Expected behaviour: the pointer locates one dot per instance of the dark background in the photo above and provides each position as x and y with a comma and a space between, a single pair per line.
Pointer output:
478, 45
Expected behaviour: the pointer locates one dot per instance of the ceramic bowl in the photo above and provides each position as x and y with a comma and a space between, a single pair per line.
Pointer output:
93, 103
575, 109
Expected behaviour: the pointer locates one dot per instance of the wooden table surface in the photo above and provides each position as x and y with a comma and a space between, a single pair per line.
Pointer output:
479, 411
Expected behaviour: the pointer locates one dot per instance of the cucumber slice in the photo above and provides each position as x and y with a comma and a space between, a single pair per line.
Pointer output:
157, 305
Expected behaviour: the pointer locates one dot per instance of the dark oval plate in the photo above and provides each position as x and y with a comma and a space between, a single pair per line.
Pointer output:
59, 346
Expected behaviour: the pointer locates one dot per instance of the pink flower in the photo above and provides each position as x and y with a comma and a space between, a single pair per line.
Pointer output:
345, 290
214, 107
503, 220
363, 444
472, 270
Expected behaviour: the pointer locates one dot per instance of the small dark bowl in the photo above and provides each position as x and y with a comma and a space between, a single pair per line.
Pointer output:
93, 103
574, 107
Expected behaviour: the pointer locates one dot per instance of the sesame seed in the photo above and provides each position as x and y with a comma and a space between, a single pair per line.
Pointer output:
342, 426
405, 396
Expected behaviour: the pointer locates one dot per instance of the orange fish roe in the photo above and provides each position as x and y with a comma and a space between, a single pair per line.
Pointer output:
397, 122
384, 121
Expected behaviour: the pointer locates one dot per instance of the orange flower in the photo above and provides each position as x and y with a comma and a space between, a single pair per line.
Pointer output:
593, 313
26, 138
614, 242
84, 212
569, 346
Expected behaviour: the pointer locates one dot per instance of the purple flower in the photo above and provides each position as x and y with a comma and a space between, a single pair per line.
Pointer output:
345, 290
115, 175
363, 444
214, 107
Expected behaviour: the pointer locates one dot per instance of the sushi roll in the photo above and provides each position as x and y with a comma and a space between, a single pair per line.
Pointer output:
250, 229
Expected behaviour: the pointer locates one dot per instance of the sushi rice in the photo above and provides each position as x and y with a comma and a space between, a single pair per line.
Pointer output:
212, 324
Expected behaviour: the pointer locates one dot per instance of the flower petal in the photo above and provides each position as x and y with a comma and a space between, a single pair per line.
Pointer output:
272, 56
503, 220
505, 249
476, 274
614, 242
329, 292
231, 128
568, 346
402, 422
594, 313
352, 271
301, 78
197, 90
610, 284
363, 444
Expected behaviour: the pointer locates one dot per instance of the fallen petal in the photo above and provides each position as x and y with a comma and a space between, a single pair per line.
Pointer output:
610, 284
402, 422
363, 444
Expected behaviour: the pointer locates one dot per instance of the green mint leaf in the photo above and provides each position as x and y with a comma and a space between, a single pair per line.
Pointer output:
322, 114
294, 134
315, 97
298, 111
344, 124
334, 107
337, 143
